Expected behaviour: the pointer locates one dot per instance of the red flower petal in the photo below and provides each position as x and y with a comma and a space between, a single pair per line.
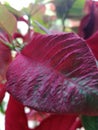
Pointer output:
15, 116
93, 44
2, 92
55, 73
25, 37
60, 122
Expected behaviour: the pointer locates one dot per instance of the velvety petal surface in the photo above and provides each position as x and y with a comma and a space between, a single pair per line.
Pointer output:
2, 92
15, 116
60, 122
55, 73
93, 44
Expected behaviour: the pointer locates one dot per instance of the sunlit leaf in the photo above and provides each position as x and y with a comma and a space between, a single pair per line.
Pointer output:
13, 10
7, 20
5, 56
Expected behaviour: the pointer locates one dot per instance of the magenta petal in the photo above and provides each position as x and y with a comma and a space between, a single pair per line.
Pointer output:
55, 73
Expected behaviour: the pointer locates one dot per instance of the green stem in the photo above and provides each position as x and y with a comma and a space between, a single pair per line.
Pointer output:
7, 44
42, 27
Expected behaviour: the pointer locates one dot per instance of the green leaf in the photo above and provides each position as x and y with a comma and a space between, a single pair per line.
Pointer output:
2, 107
90, 122
12, 10
7, 20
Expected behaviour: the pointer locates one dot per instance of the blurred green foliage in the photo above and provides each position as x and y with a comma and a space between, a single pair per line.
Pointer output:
77, 9
65, 9
69, 8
